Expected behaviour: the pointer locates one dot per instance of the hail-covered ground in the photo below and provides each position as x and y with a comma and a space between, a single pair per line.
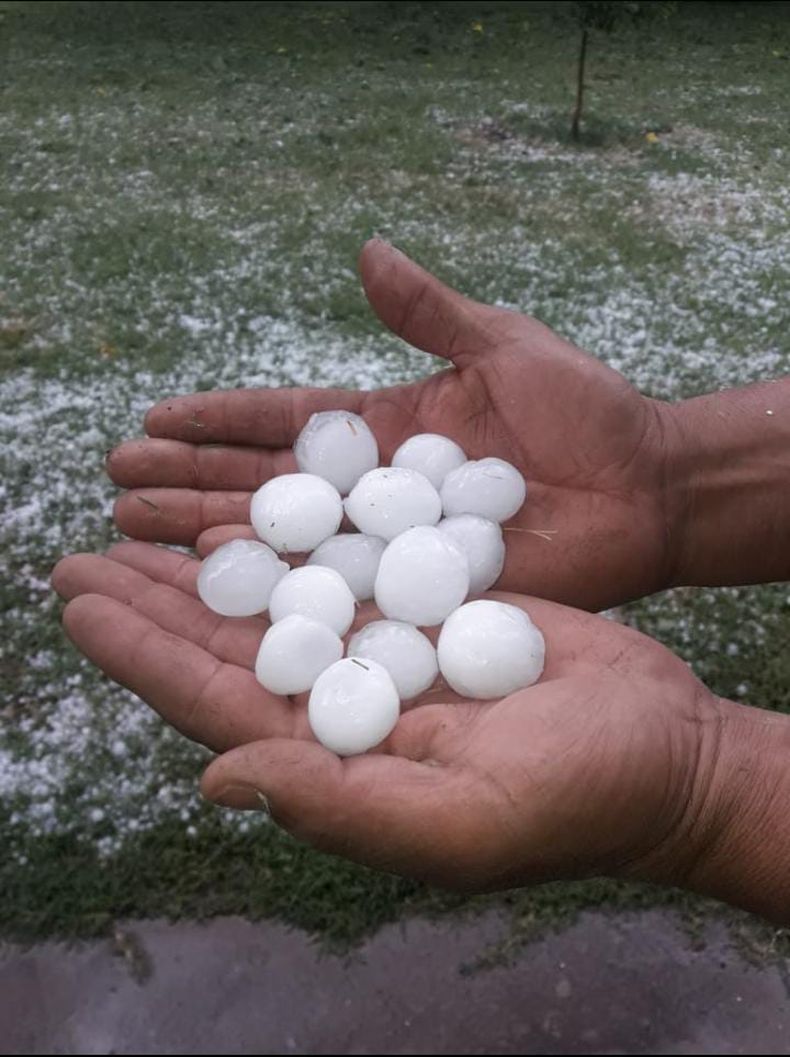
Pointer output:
184, 190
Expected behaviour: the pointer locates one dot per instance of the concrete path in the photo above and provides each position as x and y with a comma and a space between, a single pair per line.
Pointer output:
606, 985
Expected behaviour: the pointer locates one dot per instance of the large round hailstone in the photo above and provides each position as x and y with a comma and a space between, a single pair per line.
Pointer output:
353, 706
491, 488
355, 556
482, 542
387, 501
338, 446
315, 592
490, 649
422, 578
296, 511
293, 654
237, 579
431, 455
405, 652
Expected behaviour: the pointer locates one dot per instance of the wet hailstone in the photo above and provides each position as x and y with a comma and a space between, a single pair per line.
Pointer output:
422, 578
338, 446
482, 542
490, 649
316, 592
295, 512
430, 454
237, 579
354, 706
491, 488
388, 501
355, 556
405, 652
294, 652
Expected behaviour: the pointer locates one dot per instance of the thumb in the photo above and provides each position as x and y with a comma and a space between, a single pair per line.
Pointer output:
384, 811
419, 308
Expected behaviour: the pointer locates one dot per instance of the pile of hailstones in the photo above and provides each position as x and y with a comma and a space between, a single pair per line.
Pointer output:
417, 565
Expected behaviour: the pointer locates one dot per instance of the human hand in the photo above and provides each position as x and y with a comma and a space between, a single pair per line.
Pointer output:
598, 527
604, 766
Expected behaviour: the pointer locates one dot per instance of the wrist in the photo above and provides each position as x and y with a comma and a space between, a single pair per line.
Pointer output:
732, 838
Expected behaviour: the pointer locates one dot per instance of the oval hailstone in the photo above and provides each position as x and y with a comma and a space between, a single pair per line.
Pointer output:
296, 511
491, 488
294, 652
490, 649
405, 652
355, 556
387, 501
482, 542
353, 706
237, 579
338, 446
422, 578
431, 455
315, 592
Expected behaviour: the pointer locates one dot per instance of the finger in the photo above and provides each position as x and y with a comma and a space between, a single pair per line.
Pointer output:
177, 515
220, 705
235, 641
158, 563
423, 311
268, 417
208, 541
384, 811
157, 463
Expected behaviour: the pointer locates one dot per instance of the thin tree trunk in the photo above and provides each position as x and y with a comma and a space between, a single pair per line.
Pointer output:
577, 110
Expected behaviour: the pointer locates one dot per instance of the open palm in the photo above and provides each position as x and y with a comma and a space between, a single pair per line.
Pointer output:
594, 769
595, 530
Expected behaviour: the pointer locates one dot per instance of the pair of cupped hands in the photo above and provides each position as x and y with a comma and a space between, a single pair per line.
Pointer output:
603, 767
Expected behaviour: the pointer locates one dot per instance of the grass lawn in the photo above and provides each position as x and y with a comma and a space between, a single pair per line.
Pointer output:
183, 191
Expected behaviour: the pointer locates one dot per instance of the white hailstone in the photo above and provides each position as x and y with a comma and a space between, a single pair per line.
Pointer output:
422, 578
338, 446
353, 706
294, 652
388, 501
315, 592
490, 649
355, 556
491, 488
405, 652
296, 511
431, 455
482, 543
237, 579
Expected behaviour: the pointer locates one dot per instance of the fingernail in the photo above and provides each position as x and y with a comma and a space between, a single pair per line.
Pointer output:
241, 797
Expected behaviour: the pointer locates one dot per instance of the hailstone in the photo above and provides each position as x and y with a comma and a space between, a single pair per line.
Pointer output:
431, 455
338, 446
296, 511
490, 649
353, 706
237, 579
405, 652
315, 592
387, 501
422, 578
491, 488
482, 543
294, 652
355, 556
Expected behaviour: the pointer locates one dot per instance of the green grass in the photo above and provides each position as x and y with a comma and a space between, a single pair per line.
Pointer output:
184, 190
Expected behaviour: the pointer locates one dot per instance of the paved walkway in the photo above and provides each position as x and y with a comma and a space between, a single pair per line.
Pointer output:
606, 985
